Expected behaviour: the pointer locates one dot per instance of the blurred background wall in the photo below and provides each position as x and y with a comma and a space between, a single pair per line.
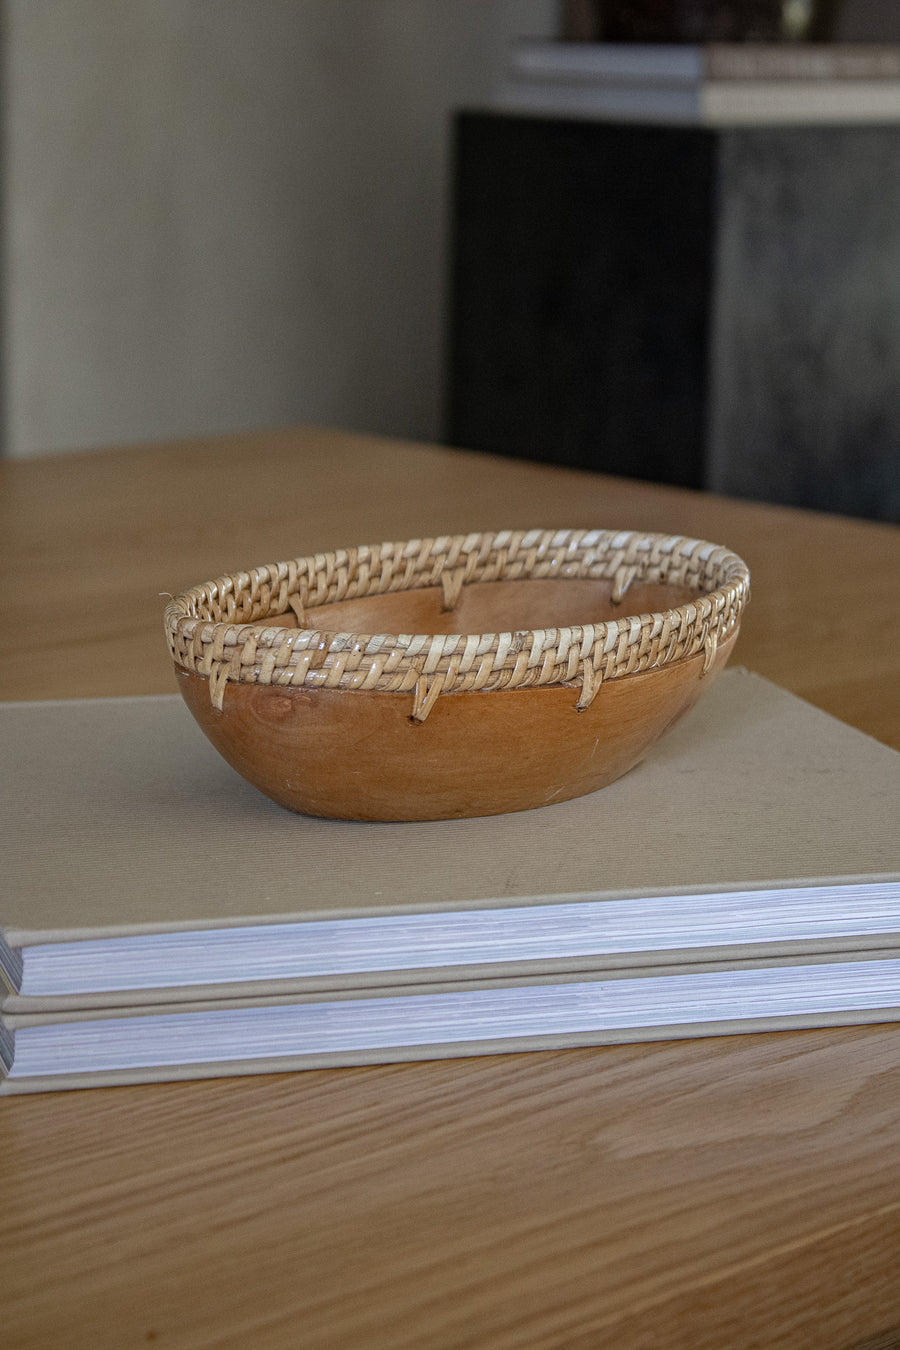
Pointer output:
223, 214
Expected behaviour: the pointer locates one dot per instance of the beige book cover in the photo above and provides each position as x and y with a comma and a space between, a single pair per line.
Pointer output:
121, 823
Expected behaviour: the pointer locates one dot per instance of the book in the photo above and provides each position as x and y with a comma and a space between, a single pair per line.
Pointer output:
166, 921
140, 868
716, 85
225, 1037
688, 63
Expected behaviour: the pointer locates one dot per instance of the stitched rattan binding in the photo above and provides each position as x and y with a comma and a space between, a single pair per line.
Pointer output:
209, 630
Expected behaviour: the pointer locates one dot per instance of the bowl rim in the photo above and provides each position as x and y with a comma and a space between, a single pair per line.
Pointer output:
212, 628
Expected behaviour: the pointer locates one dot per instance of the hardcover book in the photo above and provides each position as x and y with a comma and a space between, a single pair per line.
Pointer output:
716, 85
157, 908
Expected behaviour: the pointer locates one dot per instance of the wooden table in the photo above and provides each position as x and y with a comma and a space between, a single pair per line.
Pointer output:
730, 1193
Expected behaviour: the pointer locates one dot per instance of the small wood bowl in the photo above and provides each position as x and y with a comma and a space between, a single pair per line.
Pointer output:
461, 676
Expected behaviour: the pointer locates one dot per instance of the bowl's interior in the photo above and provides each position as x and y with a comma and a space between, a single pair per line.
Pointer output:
489, 607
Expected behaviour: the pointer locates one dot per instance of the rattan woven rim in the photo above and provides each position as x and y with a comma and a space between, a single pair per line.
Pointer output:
208, 627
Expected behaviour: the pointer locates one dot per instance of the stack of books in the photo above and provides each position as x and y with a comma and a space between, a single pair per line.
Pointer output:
163, 920
716, 85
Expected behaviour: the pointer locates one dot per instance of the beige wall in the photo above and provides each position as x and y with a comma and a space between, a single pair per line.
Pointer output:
222, 214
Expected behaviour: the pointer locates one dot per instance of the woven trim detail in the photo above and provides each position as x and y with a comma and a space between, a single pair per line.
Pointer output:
208, 632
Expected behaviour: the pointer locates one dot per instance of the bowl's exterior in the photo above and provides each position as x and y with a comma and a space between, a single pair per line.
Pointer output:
357, 755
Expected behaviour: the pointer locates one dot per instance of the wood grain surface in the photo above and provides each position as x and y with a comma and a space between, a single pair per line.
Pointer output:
708, 1195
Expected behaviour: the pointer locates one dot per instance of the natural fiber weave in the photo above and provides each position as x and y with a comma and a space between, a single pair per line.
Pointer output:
208, 627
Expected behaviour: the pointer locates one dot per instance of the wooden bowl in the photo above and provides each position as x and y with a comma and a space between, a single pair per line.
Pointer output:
460, 676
